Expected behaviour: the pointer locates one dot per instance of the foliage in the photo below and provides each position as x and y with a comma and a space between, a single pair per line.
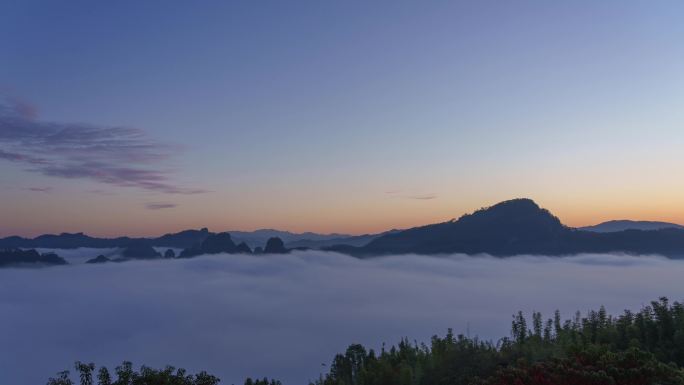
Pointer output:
646, 347
126, 375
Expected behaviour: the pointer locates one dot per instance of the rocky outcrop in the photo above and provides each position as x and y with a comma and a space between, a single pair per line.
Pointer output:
275, 245
99, 259
13, 257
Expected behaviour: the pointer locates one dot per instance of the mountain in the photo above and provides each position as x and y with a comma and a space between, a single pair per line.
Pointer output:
140, 249
511, 227
518, 226
275, 245
181, 240
98, 259
622, 225
260, 237
213, 244
16, 257
63, 241
352, 240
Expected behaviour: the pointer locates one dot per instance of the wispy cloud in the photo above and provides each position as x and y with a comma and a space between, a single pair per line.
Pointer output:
402, 195
40, 189
160, 206
118, 156
422, 197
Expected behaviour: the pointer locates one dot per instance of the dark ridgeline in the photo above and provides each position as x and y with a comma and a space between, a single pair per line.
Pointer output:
179, 240
183, 239
511, 227
99, 259
622, 225
186, 239
354, 240
216, 244
63, 241
140, 249
17, 257
275, 246
518, 226
222, 243
243, 248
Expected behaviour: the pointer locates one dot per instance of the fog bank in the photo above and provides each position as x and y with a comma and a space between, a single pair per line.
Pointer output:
283, 316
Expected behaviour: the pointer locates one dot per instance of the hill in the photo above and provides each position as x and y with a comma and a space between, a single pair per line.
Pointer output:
182, 240
622, 225
518, 226
16, 257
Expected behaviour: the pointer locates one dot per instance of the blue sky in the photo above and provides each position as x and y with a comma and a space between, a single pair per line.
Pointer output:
348, 116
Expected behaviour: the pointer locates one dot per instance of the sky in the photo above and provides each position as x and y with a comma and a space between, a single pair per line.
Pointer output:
283, 316
141, 118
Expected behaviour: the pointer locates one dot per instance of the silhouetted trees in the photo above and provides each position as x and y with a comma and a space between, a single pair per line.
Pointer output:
640, 348
126, 375
634, 348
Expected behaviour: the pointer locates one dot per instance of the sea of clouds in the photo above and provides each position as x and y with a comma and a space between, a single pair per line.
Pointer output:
284, 316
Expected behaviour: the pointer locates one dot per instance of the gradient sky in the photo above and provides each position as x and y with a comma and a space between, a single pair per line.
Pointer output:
140, 118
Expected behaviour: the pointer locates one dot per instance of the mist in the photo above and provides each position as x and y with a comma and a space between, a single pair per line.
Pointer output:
284, 316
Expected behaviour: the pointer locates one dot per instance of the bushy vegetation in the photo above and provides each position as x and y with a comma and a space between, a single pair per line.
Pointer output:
126, 375
635, 348
646, 347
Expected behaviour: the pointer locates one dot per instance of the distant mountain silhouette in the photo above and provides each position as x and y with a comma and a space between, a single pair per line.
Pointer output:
218, 243
16, 257
181, 240
518, 226
243, 248
511, 227
260, 237
213, 244
98, 259
353, 240
63, 241
275, 245
140, 249
622, 225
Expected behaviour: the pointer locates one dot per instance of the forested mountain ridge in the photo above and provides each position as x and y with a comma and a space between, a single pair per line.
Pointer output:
518, 226
185, 239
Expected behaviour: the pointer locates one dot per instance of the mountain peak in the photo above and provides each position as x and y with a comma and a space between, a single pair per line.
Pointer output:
514, 205
515, 212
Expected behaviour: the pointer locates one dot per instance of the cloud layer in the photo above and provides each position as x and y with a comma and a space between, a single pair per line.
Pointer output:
118, 156
283, 316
